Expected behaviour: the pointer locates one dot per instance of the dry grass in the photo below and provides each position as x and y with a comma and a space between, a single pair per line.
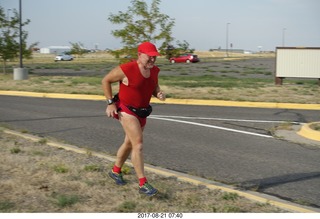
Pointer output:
273, 93
221, 86
38, 178
52, 84
316, 126
91, 85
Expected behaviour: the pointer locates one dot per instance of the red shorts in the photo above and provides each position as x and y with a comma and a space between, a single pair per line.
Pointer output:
122, 108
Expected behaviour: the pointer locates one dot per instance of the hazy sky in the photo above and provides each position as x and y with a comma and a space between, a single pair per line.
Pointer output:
202, 23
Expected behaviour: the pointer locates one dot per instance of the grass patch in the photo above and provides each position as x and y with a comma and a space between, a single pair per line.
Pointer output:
6, 206
315, 126
86, 80
15, 150
64, 201
56, 81
230, 196
126, 169
93, 168
212, 81
284, 126
127, 207
38, 153
231, 209
60, 168
43, 141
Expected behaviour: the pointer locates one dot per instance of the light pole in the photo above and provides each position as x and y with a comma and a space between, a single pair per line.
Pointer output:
20, 73
227, 40
8, 13
283, 36
20, 33
8, 18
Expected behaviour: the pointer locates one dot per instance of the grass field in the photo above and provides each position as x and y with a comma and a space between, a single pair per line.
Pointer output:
38, 178
239, 78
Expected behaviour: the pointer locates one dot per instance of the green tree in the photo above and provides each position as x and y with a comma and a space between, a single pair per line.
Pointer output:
78, 49
184, 47
9, 38
181, 48
142, 23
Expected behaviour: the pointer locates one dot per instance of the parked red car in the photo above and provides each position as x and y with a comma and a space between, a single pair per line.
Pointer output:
185, 58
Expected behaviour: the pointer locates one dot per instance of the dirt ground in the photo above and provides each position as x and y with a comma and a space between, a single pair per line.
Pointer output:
36, 177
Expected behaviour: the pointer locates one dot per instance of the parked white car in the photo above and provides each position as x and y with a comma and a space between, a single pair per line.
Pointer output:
63, 57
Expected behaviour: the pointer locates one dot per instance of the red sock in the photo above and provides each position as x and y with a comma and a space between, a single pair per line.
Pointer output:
116, 169
142, 181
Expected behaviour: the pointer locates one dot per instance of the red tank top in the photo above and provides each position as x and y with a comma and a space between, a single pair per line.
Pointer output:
139, 90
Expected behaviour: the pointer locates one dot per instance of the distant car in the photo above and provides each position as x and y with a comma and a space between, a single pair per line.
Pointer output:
185, 58
63, 57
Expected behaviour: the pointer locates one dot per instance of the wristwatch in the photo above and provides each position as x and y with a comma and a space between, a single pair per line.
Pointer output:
110, 101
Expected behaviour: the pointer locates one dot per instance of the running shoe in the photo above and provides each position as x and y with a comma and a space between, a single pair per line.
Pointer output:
117, 178
147, 190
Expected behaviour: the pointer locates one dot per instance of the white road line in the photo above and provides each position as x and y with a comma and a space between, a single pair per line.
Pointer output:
211, 126
222, 119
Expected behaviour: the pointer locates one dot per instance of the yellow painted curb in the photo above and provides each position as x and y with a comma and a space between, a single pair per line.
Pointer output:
239, 104
246, 194
307, 132
53, 95
180, 176
172, 100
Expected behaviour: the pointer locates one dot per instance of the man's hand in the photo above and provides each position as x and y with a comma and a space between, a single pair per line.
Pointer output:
111, 110
161, 95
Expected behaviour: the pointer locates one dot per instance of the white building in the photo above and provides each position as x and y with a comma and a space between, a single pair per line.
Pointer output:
55, 49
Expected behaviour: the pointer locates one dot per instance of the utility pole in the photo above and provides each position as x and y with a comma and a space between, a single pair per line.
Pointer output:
227, 40
20, 34
20, 73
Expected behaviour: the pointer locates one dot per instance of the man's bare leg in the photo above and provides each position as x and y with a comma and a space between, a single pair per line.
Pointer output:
123, 152
133, 130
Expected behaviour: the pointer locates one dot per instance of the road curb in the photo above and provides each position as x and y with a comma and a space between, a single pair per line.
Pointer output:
253, 196
172, 100
52, 95
309, 133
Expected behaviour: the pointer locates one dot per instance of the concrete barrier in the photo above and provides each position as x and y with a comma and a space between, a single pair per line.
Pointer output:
20, 74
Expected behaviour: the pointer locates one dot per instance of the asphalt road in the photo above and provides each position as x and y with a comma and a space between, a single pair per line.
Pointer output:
227, 144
